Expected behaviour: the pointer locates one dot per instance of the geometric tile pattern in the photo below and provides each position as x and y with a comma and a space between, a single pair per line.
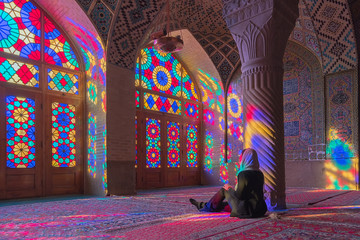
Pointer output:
129, 28
298, 107
304, 31
332, 21
340, 102
102, 17
317, 86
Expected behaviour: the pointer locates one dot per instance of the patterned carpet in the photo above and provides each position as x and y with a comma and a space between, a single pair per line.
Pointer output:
167, 214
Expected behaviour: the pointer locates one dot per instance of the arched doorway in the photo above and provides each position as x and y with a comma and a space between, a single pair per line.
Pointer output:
41, 105
168, 122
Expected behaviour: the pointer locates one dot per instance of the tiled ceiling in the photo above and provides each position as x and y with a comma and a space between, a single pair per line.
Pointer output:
324, 27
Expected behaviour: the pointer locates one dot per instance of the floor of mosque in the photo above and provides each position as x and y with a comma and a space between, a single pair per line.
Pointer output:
167, 214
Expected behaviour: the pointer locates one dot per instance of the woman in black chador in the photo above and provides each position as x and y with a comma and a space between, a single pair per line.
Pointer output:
247, 200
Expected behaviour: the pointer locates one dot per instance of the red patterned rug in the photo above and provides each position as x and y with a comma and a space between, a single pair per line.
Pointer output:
167, 214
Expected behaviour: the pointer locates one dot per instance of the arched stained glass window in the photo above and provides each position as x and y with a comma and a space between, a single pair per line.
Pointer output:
169, 111
24, 27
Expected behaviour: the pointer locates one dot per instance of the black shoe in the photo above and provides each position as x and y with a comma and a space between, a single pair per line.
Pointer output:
195, 203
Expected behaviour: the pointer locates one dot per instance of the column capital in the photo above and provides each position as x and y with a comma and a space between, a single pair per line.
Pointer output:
260, 28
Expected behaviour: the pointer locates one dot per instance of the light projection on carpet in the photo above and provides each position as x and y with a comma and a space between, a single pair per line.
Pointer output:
341, 167
192, 145
20, 132
173, 144
57, 49
162, 104
209, 151
20, 30
153, 144
92, 145
19, 73
92, 92
63, 135
63, 82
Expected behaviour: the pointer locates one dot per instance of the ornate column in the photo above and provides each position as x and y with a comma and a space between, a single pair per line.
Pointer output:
261, 29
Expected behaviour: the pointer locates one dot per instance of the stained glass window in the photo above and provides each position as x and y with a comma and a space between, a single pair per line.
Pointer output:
191, 145
189, 89
19, 73
173, 144
209, 151
57, 50
153, 143
20, 132
157, 68
136, 139
137, 98
63, 135
92, 145
162, 104
20, 28
92, 92
63, 82
191, 110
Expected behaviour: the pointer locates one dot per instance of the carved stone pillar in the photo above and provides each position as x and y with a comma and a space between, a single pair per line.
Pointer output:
261, 29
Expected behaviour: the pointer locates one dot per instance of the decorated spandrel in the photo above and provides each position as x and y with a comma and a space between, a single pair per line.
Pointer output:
63, 135
157, 70
173, 144
20, 132
161, 104
19, 73
57, 49
192, 145
20, 28
153, 144
63, 82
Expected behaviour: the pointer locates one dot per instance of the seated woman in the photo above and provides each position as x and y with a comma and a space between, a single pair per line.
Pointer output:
247, 200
